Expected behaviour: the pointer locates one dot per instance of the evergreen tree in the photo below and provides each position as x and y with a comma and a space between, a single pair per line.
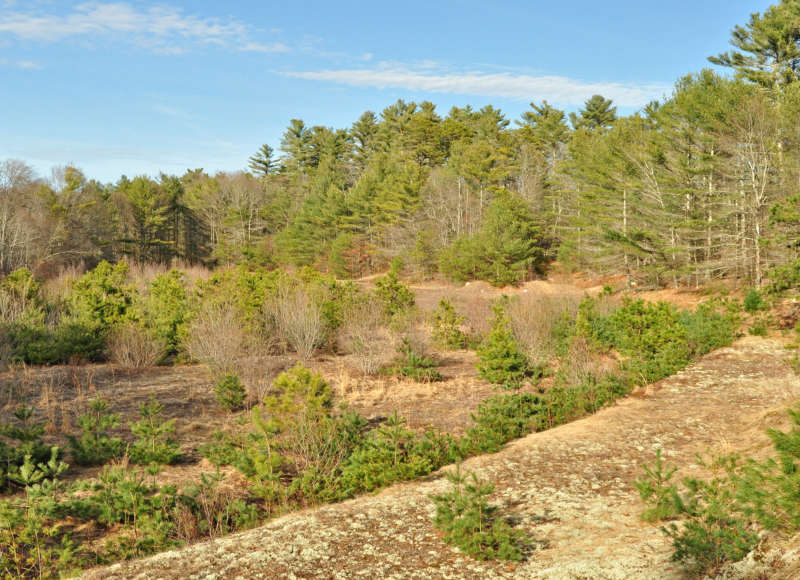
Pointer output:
263, 162
502, 361
597, 114
768, 47
155, 437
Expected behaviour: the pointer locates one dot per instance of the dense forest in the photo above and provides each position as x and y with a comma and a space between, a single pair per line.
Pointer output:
698, 187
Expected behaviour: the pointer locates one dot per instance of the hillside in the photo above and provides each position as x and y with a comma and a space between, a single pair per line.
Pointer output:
570, 488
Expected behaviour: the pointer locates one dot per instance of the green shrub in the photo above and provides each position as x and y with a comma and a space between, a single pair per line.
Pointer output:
503, 251
101, 298
784, 277
709, 327
469, 522
753, 301
446, 323
165, 308
39, 345
500, 419
395, 296
155, 441
415, 366
564, 403
229, 392
502, 361
95, 447
393, 453
656, 339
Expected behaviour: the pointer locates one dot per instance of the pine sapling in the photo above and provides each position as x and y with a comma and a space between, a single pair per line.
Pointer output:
469, 522
155, 437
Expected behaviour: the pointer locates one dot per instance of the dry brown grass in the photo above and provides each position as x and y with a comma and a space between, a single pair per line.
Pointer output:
533, 318
143, 273
55, 289
477, 310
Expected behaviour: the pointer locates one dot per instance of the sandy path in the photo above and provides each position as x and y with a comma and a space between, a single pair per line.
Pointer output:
570, 488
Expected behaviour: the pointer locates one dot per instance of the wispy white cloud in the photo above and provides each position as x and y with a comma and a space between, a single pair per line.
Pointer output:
29, 64
23, 64
428, 77
171, 111
162, 29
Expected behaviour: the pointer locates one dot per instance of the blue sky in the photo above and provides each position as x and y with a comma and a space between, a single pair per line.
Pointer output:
140, 87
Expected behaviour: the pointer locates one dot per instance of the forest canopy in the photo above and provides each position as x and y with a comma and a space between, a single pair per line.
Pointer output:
697, 187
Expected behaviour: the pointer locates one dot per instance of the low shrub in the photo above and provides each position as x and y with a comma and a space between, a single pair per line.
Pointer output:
69, 341
133, 347
415, 366
155, 441
214, 336
446, 326
364, 336
500, 419
95, 447
394, 453
502, 362
229, 392
297, 313
469, 522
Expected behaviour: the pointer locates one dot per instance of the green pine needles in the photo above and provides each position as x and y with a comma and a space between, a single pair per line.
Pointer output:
95, 447
502, 361
155, 437
446, 326
716, 520
230, 392
469, 522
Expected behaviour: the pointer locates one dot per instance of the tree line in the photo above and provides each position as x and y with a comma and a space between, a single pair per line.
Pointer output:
697, 187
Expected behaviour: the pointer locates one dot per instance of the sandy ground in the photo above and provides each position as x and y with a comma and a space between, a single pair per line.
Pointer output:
569, 488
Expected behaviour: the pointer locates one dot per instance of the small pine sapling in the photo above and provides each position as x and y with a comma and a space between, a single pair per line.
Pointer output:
469, 522
95, 447
155, 437
395, 296
446, 324
414, 365
230, 392
656, 491
502, 361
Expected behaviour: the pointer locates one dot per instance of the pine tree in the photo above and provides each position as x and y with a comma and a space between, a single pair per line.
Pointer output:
502, 361
597, 114
263, 162
769, 47
155, 437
